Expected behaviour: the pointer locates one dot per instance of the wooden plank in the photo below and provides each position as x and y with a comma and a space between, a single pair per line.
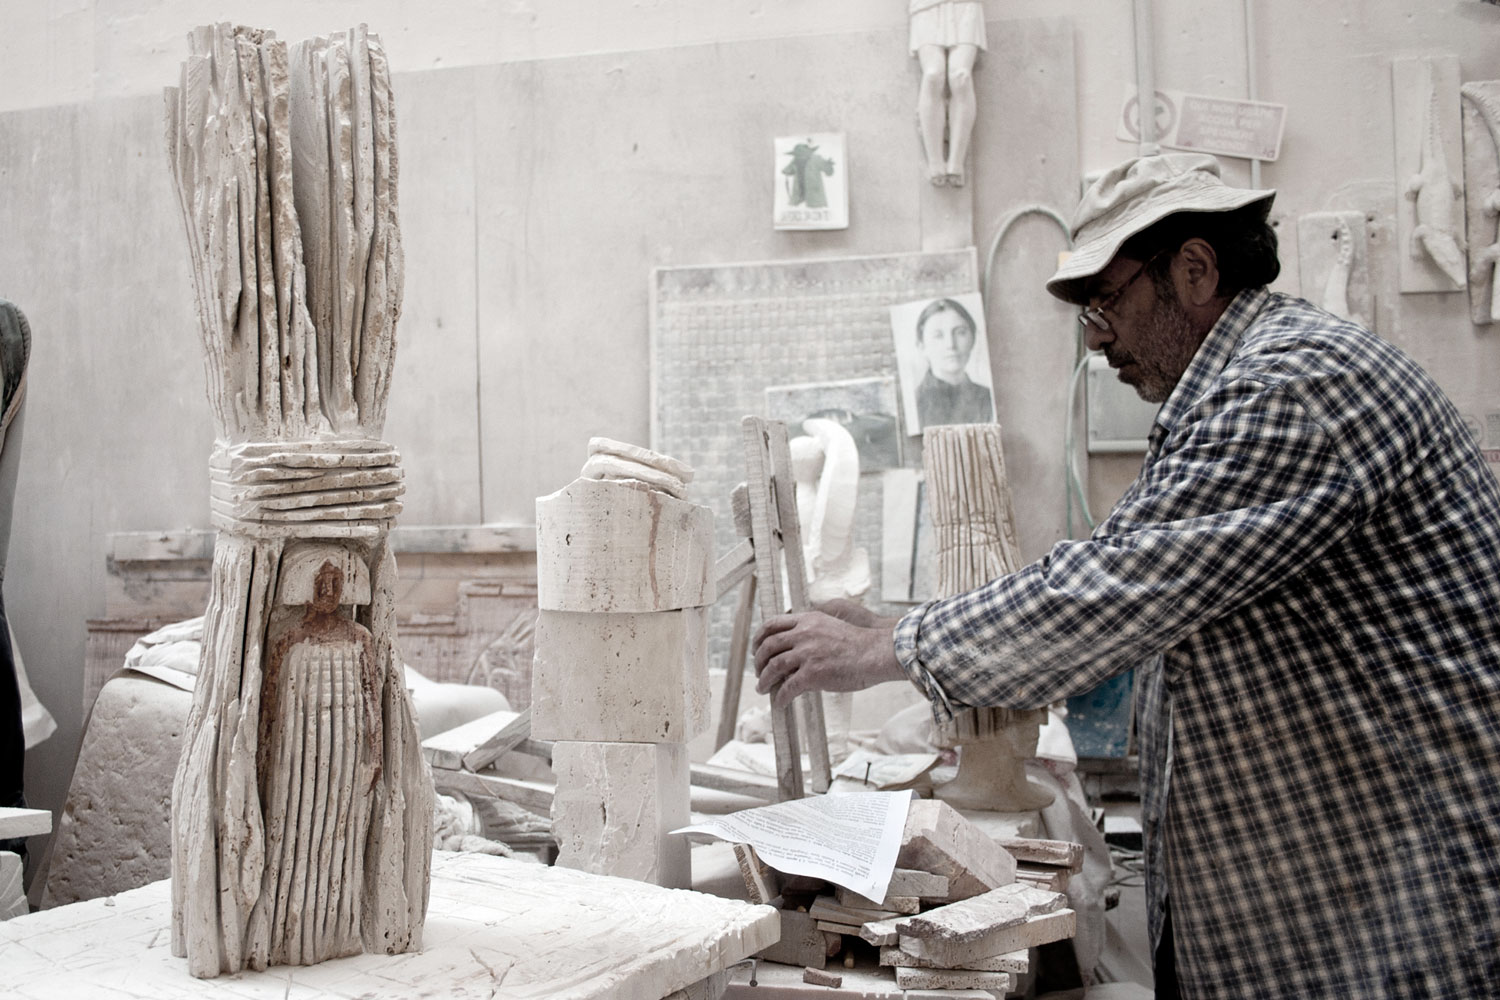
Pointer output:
447, 749
733, 566
763, 511
508, 737
734, 667
784, 491
534, 795
732, 779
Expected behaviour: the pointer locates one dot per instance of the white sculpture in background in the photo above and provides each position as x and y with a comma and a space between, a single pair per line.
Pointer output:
301, 806
1482, 170
1437, 197
946, 37
825, 463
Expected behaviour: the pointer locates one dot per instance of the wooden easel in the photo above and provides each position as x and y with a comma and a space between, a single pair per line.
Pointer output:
767, 516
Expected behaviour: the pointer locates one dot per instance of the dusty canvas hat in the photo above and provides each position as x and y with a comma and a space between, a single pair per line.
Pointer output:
1133, 196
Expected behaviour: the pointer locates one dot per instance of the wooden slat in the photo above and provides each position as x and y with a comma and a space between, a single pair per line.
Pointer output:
764, 526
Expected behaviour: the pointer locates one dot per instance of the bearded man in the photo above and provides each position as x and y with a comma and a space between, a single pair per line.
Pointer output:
1306, 573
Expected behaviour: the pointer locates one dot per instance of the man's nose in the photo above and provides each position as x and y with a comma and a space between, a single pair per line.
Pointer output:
1096, 337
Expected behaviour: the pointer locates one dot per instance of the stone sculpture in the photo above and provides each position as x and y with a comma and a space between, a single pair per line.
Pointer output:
301, 807
1481, 100
1333, 263
975, 534
825, 462
946, 37
1435, 194
620, 676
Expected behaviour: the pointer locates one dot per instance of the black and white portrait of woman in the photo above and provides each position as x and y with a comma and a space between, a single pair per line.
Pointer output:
944, 362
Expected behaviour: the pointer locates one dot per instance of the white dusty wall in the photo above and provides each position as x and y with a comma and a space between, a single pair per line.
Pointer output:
553, 152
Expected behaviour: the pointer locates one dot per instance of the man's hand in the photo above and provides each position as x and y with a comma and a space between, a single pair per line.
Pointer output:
815, 651
855, 613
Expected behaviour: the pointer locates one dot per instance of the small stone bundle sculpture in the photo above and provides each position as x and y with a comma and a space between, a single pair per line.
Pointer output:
301, 809
620, 677
974, 525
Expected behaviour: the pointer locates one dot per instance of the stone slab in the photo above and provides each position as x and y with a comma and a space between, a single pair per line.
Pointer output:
802, 942
15, 823
622, 547
953, 979
546, 933
938, 839
614, 806
1016, 961
957, 954
631, 677
114, 833
974, 918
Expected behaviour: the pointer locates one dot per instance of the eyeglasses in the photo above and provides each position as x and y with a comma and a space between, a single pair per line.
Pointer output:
1095, 315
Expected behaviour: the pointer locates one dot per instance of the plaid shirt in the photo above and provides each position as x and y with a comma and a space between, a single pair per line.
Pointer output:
1308, 566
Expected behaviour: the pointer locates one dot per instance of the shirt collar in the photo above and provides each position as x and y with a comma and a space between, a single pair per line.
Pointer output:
1213, 355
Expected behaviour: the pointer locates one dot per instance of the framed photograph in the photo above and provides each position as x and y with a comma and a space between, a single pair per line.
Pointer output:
866, 407
943, 357
811, 182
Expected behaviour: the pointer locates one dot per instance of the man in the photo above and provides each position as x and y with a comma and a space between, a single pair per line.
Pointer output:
1308, 570
946, 395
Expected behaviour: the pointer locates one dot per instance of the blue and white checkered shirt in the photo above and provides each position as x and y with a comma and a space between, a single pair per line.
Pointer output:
1309, 567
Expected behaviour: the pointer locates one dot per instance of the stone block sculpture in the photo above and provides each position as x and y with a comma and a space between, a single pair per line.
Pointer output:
620, 677
975, 532
1481, 113
301, 807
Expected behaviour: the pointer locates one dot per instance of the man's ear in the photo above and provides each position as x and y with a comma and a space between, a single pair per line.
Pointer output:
1197, 272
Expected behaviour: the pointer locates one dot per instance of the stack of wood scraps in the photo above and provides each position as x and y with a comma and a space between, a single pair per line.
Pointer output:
959, 912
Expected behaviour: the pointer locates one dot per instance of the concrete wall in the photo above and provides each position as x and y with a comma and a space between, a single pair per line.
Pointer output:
552, 153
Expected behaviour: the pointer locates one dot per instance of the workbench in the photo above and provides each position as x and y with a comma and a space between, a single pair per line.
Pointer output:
495, 928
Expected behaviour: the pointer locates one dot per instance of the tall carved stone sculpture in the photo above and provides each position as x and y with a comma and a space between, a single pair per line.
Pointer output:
975, 530
301, 809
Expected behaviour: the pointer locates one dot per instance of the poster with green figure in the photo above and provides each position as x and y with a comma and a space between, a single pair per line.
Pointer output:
811, 182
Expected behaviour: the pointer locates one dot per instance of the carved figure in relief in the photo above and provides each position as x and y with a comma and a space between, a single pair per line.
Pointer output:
1485, 264
946, 37
318, 761
1336, 287
1436, 198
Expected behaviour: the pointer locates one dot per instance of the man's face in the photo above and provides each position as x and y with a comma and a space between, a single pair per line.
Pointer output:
1150, 340
947, 340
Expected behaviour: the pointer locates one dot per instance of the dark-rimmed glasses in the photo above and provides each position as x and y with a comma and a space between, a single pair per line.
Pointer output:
1095, 315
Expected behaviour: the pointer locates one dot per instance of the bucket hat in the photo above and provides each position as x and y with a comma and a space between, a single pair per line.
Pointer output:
1134, 195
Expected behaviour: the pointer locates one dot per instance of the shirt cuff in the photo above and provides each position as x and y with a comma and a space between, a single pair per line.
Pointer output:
906, 635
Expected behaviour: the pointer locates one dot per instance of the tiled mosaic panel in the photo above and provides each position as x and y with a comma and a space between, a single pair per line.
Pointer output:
721, 334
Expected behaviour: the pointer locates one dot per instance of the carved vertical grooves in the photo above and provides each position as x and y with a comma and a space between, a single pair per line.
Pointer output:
301, 806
